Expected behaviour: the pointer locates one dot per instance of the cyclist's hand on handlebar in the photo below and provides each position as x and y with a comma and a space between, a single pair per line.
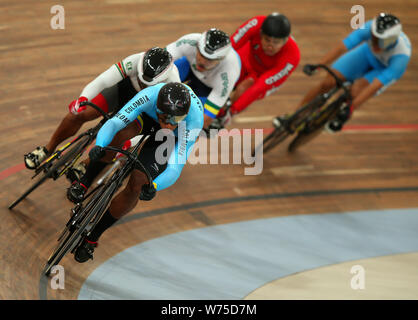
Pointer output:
309, 69
148, 192
96, 153
74, 106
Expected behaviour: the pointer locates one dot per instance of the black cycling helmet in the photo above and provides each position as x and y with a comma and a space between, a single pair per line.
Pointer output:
154, 66
276, 25
173, 102
214, 44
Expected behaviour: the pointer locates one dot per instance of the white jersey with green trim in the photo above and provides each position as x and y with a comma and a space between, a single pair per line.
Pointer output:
128, 67
221, 79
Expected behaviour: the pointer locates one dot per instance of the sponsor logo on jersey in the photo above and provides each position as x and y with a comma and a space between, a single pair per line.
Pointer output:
193, 43
122, 117
225, 84
282, 73
137, 103
242, 31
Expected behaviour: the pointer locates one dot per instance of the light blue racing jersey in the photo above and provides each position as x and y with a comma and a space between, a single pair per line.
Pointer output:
187, 131
393, 60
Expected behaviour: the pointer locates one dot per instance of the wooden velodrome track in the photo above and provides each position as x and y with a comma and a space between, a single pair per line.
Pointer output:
42, 70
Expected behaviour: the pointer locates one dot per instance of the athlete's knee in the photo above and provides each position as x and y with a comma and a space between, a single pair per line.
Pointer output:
135, 183
358, 86
328, 83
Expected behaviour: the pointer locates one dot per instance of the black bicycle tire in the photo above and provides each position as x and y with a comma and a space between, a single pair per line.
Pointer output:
97, 204
311, 130
75, 236
75, 150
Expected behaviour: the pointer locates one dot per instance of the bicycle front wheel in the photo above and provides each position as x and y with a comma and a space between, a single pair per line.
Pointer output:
75, 232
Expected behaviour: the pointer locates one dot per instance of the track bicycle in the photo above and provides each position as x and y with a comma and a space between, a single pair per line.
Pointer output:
85, 215
66, 156
308, 121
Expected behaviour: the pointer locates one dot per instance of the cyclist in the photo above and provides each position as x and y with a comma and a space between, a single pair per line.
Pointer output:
209, 65
269, 55
110, 91
378, 54
161, 106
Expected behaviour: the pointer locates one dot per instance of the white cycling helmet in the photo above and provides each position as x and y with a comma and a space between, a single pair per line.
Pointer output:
386, 28
154, 66
214, 44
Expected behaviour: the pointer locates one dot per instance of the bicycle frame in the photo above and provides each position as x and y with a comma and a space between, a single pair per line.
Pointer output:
90, 132
318, 101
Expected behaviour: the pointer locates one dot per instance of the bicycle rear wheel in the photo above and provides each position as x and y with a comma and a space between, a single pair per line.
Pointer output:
64, 161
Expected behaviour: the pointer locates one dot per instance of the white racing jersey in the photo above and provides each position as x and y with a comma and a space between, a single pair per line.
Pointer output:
221, 79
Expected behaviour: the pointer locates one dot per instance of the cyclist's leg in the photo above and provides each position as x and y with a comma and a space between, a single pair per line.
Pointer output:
123, 203
325, 85
350, 66
69, 126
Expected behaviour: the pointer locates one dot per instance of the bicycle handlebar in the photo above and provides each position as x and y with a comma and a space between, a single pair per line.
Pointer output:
327, 69
97, 108
133, 157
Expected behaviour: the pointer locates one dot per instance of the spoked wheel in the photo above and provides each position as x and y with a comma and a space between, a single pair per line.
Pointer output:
57, 169
272, 140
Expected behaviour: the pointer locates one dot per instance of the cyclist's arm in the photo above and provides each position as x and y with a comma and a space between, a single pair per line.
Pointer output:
269, 82
143, 101
352, 40
222, 85
111, 76
180, 47
179, 156
244, 33
335, 53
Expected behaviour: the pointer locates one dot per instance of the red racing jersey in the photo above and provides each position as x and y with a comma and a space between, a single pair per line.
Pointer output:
269, 72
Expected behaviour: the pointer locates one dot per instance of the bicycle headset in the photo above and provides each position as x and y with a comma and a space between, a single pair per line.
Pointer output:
173, 102
386, 28
214, 44
276, 25
154, 66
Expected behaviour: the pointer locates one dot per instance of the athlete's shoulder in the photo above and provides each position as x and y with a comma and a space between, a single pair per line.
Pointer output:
190, 39
196, 106
232, 58
173, 75
151, 92
291, 48
129, 65
252, 24
404, 45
